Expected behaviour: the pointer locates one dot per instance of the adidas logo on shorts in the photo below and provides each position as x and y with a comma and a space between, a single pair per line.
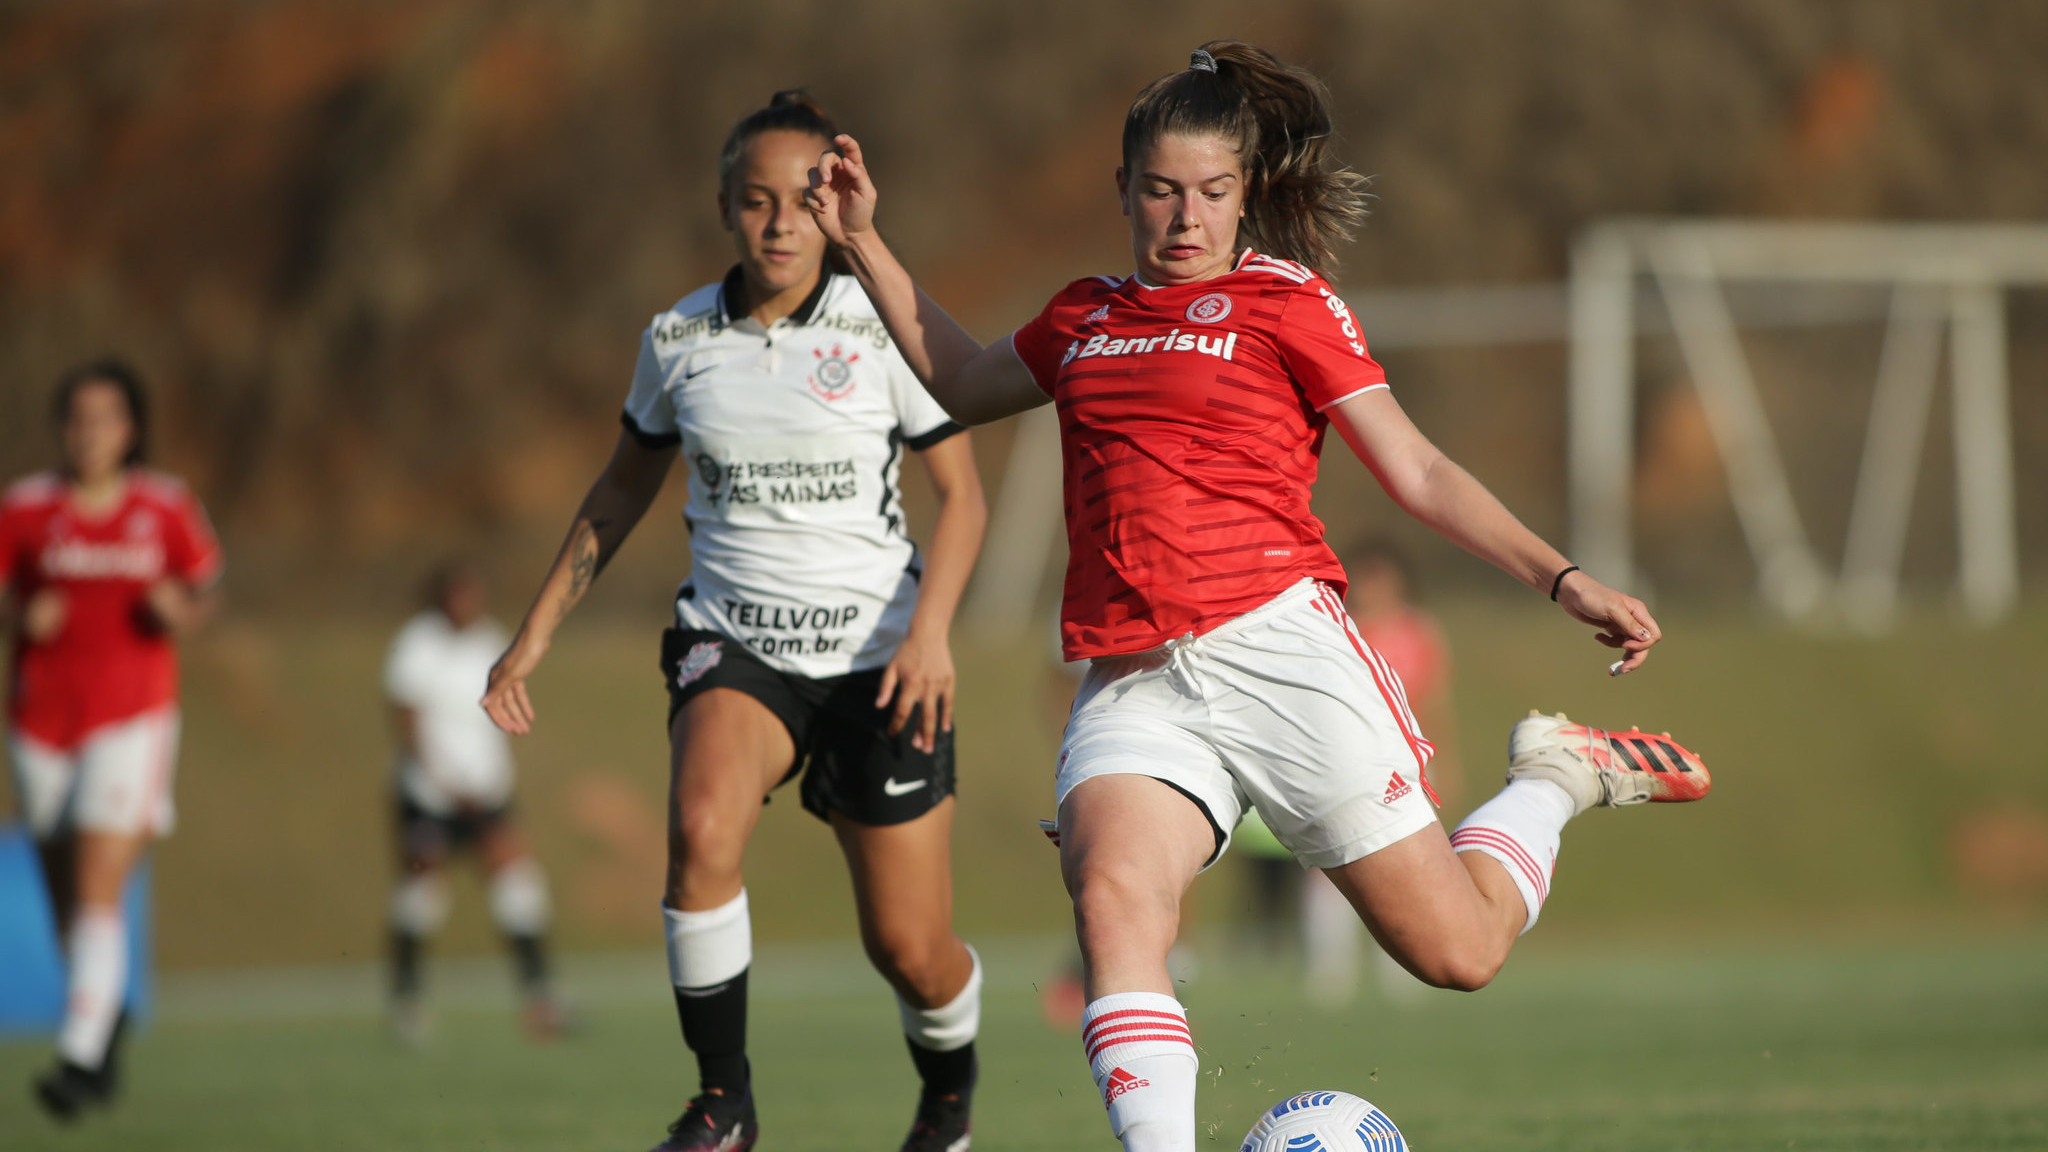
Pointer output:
1396, 788
1121, 1082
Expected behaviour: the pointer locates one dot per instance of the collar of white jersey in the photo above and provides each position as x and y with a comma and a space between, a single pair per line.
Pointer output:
1135, 278
735, 280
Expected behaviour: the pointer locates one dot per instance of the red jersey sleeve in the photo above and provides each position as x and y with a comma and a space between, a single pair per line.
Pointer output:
1321, 342
1037, 345
1045, 344
191, 550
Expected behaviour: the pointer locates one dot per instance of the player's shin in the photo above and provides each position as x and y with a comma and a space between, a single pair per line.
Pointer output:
942, 1038
709, 953
1520, 827
1143, 1059
97, 952
419, 906
519, 903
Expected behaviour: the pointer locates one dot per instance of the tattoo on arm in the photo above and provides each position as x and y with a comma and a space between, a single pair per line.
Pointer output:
588, 554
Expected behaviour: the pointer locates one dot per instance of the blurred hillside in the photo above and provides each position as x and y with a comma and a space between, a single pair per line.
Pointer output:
386, 262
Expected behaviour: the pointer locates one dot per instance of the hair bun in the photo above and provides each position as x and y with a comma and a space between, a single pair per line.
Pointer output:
793, 98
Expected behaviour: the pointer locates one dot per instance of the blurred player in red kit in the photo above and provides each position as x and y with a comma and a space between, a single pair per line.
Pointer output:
105, 564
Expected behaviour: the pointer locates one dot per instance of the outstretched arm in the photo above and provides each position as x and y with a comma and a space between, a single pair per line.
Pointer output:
921, 672
1428, 486
613, 506
973, 384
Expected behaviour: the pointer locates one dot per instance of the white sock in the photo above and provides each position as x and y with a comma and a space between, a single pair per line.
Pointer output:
707, 948
419, 905
1143, 1059
1520, 828
98, 955
952, 1025
519, 898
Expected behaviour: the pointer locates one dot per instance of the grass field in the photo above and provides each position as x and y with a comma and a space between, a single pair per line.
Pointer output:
1849, 777
1917, 1045
1843, 948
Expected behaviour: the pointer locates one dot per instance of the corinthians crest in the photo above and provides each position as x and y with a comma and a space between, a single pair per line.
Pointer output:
832, 375
702, 658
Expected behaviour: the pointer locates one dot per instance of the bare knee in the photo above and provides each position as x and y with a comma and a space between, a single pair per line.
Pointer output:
1460, 969
705, 850
918, 965
1122, 902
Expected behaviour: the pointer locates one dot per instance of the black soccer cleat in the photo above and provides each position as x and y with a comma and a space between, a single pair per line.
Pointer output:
68, 1090
941, 1124
714, 1122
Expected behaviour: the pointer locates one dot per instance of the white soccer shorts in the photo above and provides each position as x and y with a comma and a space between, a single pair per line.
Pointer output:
117, 780
1284, 707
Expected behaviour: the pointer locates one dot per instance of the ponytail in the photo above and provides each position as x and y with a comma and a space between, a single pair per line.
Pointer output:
790, 110
1299, 202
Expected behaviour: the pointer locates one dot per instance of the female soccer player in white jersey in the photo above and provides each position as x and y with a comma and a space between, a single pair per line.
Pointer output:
1193, 398
811, 636
102, 564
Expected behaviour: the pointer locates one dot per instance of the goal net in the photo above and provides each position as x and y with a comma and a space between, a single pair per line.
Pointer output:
1940, 276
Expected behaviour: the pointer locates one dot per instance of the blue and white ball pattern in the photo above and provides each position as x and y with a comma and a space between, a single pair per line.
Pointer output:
1324, 1122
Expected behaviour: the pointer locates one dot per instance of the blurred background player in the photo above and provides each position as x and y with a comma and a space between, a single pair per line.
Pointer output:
454, 782
1333, 940
106, 563
811, 636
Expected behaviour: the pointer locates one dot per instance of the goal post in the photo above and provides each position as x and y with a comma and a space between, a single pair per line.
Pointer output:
1951, 276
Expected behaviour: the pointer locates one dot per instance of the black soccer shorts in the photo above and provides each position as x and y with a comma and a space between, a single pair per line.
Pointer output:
849, 762
424, 835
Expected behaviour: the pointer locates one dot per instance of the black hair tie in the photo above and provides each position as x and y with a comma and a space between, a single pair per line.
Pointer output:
1201, 61
1559, 582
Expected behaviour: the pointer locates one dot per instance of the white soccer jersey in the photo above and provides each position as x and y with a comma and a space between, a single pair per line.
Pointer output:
440, 671
794, 436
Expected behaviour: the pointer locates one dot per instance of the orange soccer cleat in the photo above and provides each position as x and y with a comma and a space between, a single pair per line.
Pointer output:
1598, 767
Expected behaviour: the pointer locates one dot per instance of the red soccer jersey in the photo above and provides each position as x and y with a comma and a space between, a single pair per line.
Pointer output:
1191, 423
109, 661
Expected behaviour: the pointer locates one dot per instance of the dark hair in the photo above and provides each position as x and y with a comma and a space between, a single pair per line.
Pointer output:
107, 370
1299, 202
446, 575
790, 110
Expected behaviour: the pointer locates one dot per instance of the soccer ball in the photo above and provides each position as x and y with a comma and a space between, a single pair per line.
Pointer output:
1324, 1122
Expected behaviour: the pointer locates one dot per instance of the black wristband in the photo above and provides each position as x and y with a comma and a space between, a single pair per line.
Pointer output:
1559, 582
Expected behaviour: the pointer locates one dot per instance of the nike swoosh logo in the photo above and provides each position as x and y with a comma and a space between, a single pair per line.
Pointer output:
908, 786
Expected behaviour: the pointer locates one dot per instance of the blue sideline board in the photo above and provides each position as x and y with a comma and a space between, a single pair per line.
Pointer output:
32, 990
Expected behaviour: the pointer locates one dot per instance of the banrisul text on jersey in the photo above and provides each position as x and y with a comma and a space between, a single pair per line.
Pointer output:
793, 437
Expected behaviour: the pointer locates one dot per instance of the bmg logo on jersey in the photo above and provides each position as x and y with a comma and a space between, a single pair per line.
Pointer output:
832, 376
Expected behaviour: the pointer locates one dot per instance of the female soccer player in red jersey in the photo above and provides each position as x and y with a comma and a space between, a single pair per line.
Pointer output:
811, 636
103, 564
1193, 398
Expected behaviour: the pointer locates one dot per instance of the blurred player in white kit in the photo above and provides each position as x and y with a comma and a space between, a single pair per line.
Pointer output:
453, 777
